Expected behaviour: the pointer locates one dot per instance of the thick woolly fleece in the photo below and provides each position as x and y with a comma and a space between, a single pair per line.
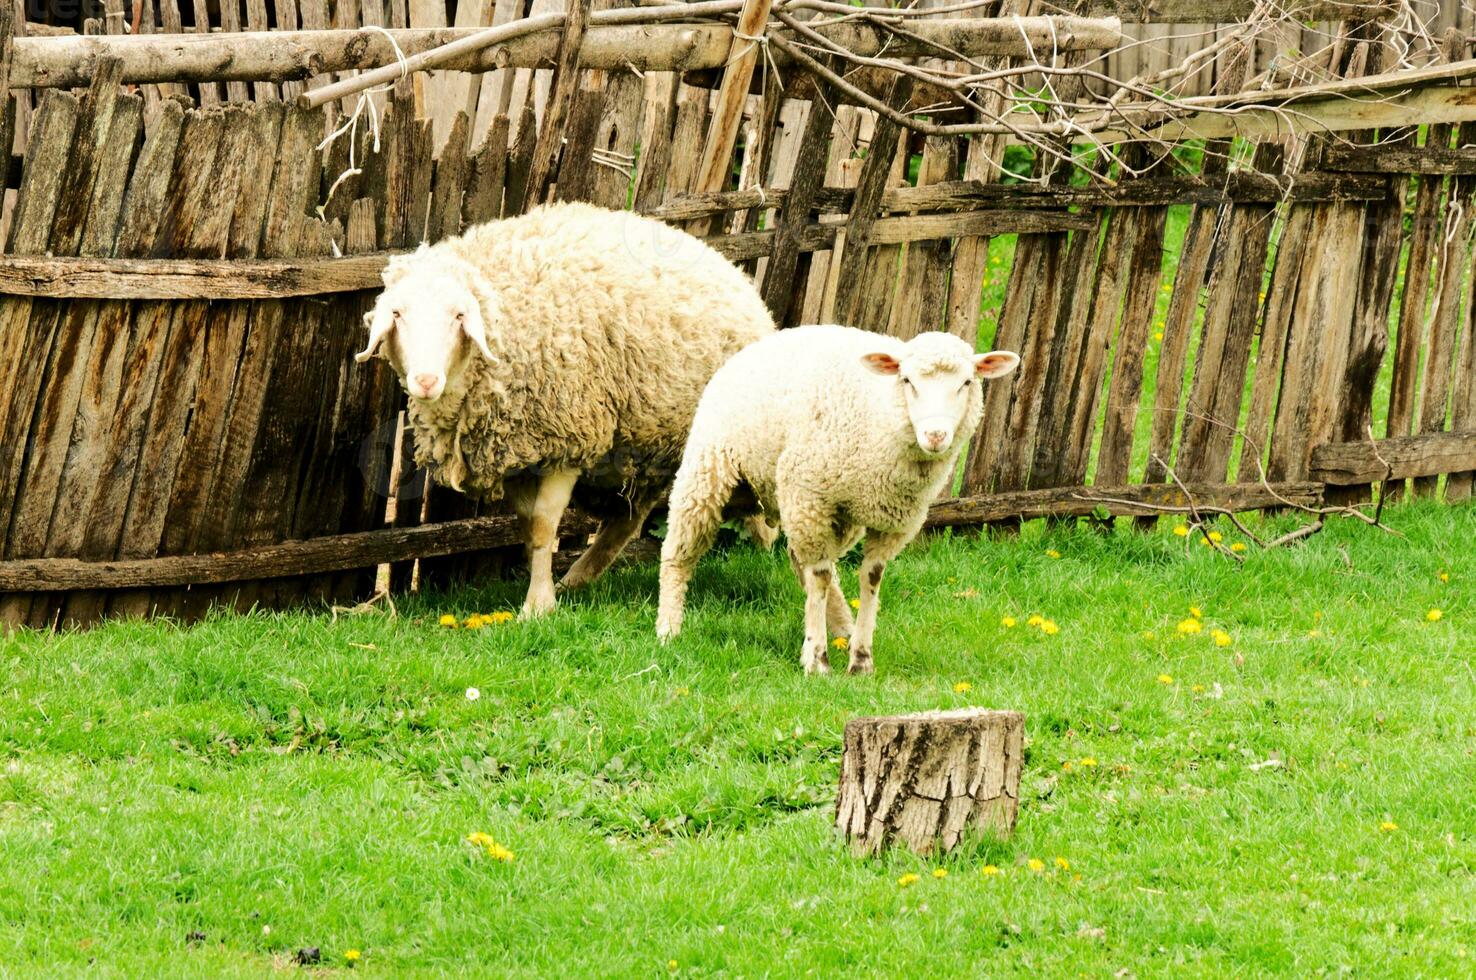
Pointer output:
826, 445
606, 326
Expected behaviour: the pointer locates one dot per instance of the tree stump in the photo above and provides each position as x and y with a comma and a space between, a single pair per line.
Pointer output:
928, 779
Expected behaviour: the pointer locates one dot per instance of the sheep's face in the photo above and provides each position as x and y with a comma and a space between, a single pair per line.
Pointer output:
939, 377
429, 326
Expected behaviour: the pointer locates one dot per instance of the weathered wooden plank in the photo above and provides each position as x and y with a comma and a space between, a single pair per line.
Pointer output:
560, 103
519, 164
450, 182
483, 198
655, 141
577, 165
722, 134
1407, 456
1401, 158
1138, 500
865, 205
924, 278
616, 135
71, 277
781, 277
288, 558
1410, 338
1210, 11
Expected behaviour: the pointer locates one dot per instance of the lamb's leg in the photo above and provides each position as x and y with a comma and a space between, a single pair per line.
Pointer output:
837, 611
818, 580
880, 549
693, 515
607, 545
543, 537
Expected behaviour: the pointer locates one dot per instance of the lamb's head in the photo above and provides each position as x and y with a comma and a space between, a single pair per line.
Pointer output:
431, 321
939, 378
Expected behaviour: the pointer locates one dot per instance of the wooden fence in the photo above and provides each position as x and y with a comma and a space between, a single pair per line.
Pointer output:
182, 423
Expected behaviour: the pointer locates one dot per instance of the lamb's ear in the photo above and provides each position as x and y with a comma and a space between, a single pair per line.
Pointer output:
474, 321
996, 363
881, 363
380, 322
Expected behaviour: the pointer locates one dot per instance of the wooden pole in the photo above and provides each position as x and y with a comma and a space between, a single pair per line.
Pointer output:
560, 102
722, 135
929, 780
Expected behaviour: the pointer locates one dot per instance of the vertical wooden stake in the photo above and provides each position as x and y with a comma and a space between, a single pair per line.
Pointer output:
560, 102
722, 134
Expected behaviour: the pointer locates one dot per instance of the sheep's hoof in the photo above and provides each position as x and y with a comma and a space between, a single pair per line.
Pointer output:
860, 661
536, 606
814, 661
666, 629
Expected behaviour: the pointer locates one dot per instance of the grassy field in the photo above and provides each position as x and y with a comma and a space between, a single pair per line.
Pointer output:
209, 800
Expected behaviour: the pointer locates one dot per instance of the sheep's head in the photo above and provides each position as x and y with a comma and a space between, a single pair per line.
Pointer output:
939, 376
430, 321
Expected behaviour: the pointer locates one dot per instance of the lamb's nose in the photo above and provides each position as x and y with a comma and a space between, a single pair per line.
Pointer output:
426, 381
935, 438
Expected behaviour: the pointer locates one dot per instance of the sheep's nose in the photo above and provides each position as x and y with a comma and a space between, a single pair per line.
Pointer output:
935, 438
426, 381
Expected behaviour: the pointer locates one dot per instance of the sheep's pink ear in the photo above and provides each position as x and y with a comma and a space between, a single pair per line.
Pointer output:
881, 363
996, 363
380, 323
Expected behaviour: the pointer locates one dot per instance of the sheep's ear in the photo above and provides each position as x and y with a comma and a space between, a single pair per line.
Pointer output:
881, 363
474, 326
380, 322
996, 363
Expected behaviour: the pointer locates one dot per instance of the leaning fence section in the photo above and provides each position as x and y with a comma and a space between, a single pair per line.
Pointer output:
1265, 307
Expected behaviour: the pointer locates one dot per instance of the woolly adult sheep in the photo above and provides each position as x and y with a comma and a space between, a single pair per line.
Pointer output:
559, 354
839, 433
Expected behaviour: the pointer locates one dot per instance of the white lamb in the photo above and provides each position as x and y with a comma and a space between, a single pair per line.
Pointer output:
838, 433
559, 354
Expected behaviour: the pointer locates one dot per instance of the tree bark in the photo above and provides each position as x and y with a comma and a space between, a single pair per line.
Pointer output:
927, 780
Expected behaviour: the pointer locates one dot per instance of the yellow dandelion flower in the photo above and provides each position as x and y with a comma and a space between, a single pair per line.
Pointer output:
1035, 620
1317, 615
989, 870
1388, 826
1049, 628
480, 839
855, 603
1158, 335
1181, 530
1314, 633
1216, 537
671, 964
1444, 576
1008, 622
473, 622
1087, 761
1165, 679
1063, 864
1052, 553
1434, 615
962, 687
352, 955
940, 872
1066, 766
1222, 639
1036, 865
1188, 626
1238, 546
1197, 688
501, 616
909, 879
449, 620
1147, 634
1195, 612
840, 643
497, 852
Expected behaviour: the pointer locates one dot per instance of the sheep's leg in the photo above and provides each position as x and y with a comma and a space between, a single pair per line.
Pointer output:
818, 579
837, 611
543, 537
695, 512
880, 549
607, 545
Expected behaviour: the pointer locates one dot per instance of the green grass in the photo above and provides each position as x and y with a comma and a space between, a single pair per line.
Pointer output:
277, 782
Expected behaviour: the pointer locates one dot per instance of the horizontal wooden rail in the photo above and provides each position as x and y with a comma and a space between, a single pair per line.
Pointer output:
1351, 463
1138, 500
1219, 11
68, 61
1241, 187
63, 277
326, 554
82, 278
1395, 159
366, 548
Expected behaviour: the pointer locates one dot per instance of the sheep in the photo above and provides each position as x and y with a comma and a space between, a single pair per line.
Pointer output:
559, 355
839, 433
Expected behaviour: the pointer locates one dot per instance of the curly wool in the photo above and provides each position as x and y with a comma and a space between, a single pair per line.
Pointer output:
606, 326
